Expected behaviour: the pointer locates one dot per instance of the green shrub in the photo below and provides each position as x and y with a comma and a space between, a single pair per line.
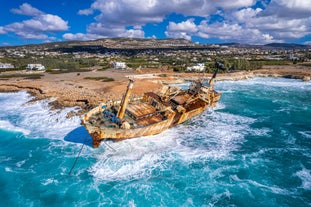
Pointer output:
104, 79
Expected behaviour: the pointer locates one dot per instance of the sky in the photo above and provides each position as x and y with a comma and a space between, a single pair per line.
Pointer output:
202, 21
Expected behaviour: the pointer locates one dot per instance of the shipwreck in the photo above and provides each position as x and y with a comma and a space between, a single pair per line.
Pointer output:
150, 114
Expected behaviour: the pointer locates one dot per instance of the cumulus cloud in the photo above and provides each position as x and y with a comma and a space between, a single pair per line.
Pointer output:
36, 28
126, 13
2, 30
283, 28
45, 23
116, 15
186, 26
146, 11
225, 4
81, 36
114, 30
234, 32
34, 36
181, 30
27, 9
98, 30
177, 35
85, 11
289, 9
221, 30
245, 15
248, 25
273, 24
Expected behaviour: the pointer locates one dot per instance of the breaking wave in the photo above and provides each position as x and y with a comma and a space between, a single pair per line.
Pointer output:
34, 119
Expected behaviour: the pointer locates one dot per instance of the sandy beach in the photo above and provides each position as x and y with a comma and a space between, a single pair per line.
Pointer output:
82, 89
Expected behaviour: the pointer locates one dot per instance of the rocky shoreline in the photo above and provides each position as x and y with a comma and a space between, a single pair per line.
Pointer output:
70, 90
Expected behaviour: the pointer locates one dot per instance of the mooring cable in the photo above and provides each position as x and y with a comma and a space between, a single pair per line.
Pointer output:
109, 146
74, 163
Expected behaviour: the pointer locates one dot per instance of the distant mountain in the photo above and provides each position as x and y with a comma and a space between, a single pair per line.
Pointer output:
230, 44
132, 44
287, 45
121, 43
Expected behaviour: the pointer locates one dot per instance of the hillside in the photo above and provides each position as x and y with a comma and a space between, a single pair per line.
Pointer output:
112, 44
115, 43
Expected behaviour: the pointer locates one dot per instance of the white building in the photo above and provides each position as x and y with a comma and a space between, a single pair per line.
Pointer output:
35, 67
119, 65
6, 65
200, 67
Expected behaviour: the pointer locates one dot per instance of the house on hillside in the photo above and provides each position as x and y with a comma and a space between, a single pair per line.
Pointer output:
35, 67
6, 65
200, 67
119, 65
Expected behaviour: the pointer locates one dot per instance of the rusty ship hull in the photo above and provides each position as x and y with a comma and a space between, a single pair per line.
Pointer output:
148, 115
100, 132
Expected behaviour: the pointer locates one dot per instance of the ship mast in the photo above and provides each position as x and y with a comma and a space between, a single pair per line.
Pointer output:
125, 100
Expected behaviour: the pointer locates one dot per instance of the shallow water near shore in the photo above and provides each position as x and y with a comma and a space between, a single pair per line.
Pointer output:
252, 149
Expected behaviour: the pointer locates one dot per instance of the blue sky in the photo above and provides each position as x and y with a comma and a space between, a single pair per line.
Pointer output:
203, 21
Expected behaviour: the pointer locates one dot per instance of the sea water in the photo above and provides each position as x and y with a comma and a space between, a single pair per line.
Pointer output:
252, 149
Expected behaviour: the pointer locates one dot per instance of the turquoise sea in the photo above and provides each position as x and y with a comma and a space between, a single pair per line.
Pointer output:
252, 149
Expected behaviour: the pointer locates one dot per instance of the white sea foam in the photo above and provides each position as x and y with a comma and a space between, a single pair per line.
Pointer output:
46, 123
125, 169
271, 188
218, 197
20, 163
8, 169
34, 119
13, 100
305, 176
133, 158
131, 203
212, 135
306, 134
7, 125
49, 181
274, 82
219, 134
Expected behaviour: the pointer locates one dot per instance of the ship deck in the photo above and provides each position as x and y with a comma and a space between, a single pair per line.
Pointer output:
138, 114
